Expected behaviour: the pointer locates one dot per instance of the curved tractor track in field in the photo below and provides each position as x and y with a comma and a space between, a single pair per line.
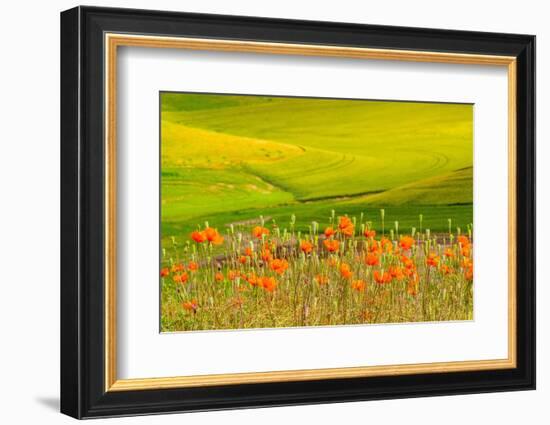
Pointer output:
324, 174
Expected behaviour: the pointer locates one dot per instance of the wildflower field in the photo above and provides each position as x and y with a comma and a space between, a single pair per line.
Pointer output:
282, 212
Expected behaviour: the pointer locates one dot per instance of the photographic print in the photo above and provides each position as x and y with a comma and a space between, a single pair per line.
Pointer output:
292, 211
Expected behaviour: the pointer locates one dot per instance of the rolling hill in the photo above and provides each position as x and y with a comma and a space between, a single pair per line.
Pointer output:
229, 158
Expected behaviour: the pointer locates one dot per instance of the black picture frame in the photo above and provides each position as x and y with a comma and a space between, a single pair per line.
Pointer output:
82, 219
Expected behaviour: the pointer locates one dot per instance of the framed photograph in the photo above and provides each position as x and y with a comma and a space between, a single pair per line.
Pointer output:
261, 212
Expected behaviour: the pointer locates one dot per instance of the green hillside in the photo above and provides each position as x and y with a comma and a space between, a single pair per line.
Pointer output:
447, 189
232, 158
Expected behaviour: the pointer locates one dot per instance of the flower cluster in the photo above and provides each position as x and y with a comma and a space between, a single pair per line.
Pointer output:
343, 273
209, 234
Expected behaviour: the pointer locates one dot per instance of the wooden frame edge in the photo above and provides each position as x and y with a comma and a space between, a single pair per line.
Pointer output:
306, 375
114, 40
110, 213
512, 212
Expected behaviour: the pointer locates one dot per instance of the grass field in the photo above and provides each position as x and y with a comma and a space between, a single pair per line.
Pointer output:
236, 162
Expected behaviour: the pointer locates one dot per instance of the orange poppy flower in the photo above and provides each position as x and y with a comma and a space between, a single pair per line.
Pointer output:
349, 230
259, 231
181, 278
213, 236
306, 247
321, 280
386, 245
468, 268
396, 272
345, 271
332, 245
445, 269
344, 222
466, 251
198, 236
268, 283
192, 305
466, 262
407, 262
409, 271
433, 259
218, 276
370, 233
449, 253
278, 265
192, 266
381, 278
358, 285
469, 272
164, 272
266, 255
210, 233
372, 259
329, 231
463, 240
252, 279
233, 274
375, 247
178, 268
243, 259
406, 242
248, 252
346, 226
